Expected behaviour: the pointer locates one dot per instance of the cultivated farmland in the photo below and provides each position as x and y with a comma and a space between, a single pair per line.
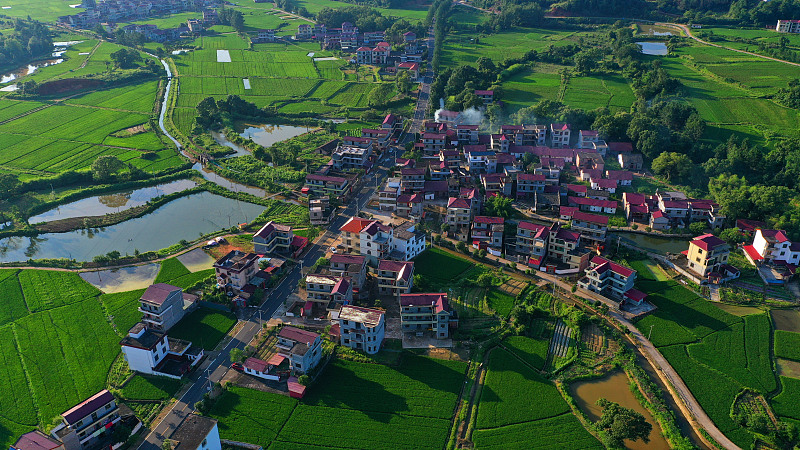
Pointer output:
787, 345
204, 327
122, 307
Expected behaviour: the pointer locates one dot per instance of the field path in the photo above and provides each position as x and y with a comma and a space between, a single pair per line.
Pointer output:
89, 56
688, 33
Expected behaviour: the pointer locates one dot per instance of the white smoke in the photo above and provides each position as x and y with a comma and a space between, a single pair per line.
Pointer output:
471, 116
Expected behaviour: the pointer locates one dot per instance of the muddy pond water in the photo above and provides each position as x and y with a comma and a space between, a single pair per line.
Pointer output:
268, 134
614, 387
654, 48
654, 244
124, 279
183, 218
111, 203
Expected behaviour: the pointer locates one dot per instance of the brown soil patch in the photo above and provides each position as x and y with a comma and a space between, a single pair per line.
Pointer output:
68, 85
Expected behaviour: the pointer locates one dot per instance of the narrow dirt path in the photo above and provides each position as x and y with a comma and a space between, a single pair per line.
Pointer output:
480, 377
89, 56
688, 33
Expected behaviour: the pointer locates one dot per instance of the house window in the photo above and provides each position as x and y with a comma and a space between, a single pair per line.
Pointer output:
156, 358
108, 406
204, 442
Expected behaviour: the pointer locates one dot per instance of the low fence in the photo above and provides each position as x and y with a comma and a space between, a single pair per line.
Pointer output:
244, 445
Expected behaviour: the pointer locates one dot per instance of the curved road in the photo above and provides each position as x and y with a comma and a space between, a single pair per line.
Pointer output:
688, 33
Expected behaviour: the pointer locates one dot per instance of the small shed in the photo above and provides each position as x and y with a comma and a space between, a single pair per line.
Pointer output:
296, 390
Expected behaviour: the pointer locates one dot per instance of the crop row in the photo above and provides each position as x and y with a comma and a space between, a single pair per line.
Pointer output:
564, 431
251, 416
47, 289
171, 269
16, 401
419, 387
249, 69
532, 351
131, 98
508, 390
122, 307
374, 429
787, 345
67, 353
13, 301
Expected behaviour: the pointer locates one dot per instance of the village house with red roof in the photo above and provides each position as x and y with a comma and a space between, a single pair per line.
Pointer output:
611, 280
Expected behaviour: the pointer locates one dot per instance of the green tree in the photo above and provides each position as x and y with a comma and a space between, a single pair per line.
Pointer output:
125, 58
236, 355
380, 95
8, 184
105, 167
732, 236
697, 228
403, 82
674, 166
620, 423
499, 206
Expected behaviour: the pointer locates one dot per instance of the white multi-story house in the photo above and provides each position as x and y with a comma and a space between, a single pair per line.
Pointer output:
560, 134
407, 242
350, 266
163, 305
531, 245
387, 196
302, 348
592, 227
528, 184
706, 254
423, 312
328, 291
587, 138
273, 237
348, 157
488, 230
788, 26
773, 246
85, 423
196, 432
395, 277
459, 212
152, 352
611, 280
361, 328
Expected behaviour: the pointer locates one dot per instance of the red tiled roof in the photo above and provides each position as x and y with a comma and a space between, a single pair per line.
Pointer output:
635, 295
568, 235
483, 92
560, 126
411, 171
568, 210
778, 235
619, 175
390, 118
434, 136
708, 242
616, 268
347, 259
455, 202
487, 219
657, 214
393, 266
87, 406
35, 440
256, 364
530, 177
276, 359
593, 202
439, 300
577, 188
588, 132
620, 147
591, 218
316, 177
474, 148
158, 293
752, 253
436, 186
749, 225
633, 198
298, 335
355, 225
605, 183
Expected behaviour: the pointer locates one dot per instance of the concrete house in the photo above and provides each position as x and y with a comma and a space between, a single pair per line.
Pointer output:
593, 205
622, 177
773, 246
486, 96
408, 205
36, 440
706, 254
423, 312
488, 231
395, 277
330, 292
236, 269
587, 138
412, 180
559, 135
152, 352
361, 328
350, 266
273, 237
611, 280
459, 212
82, 425
592, 227
197, 433
529, 184
327, 186
163, 305
302, 348
408, 242
351, 234
531, 245
565, 247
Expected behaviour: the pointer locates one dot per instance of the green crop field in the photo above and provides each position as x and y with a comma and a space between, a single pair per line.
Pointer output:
418, 397
787, 345
188, 280
440, 266
46, 289
532, 351
419, 387
787, 403
171, 269
123, 307
44, 10
553, 433
204, 327
16, 400
500, 302
733, 351
138, 98
502, 401
145, 387
14, 306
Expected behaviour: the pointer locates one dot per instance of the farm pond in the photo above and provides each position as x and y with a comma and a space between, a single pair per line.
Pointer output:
111, 203
183, 218
651, 243
654, 48
268, 134
614, 387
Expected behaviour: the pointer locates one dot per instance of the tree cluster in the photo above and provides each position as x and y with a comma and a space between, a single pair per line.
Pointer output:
125, 58
231, 17
790, 96
364, 17
211, 111
28, 39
